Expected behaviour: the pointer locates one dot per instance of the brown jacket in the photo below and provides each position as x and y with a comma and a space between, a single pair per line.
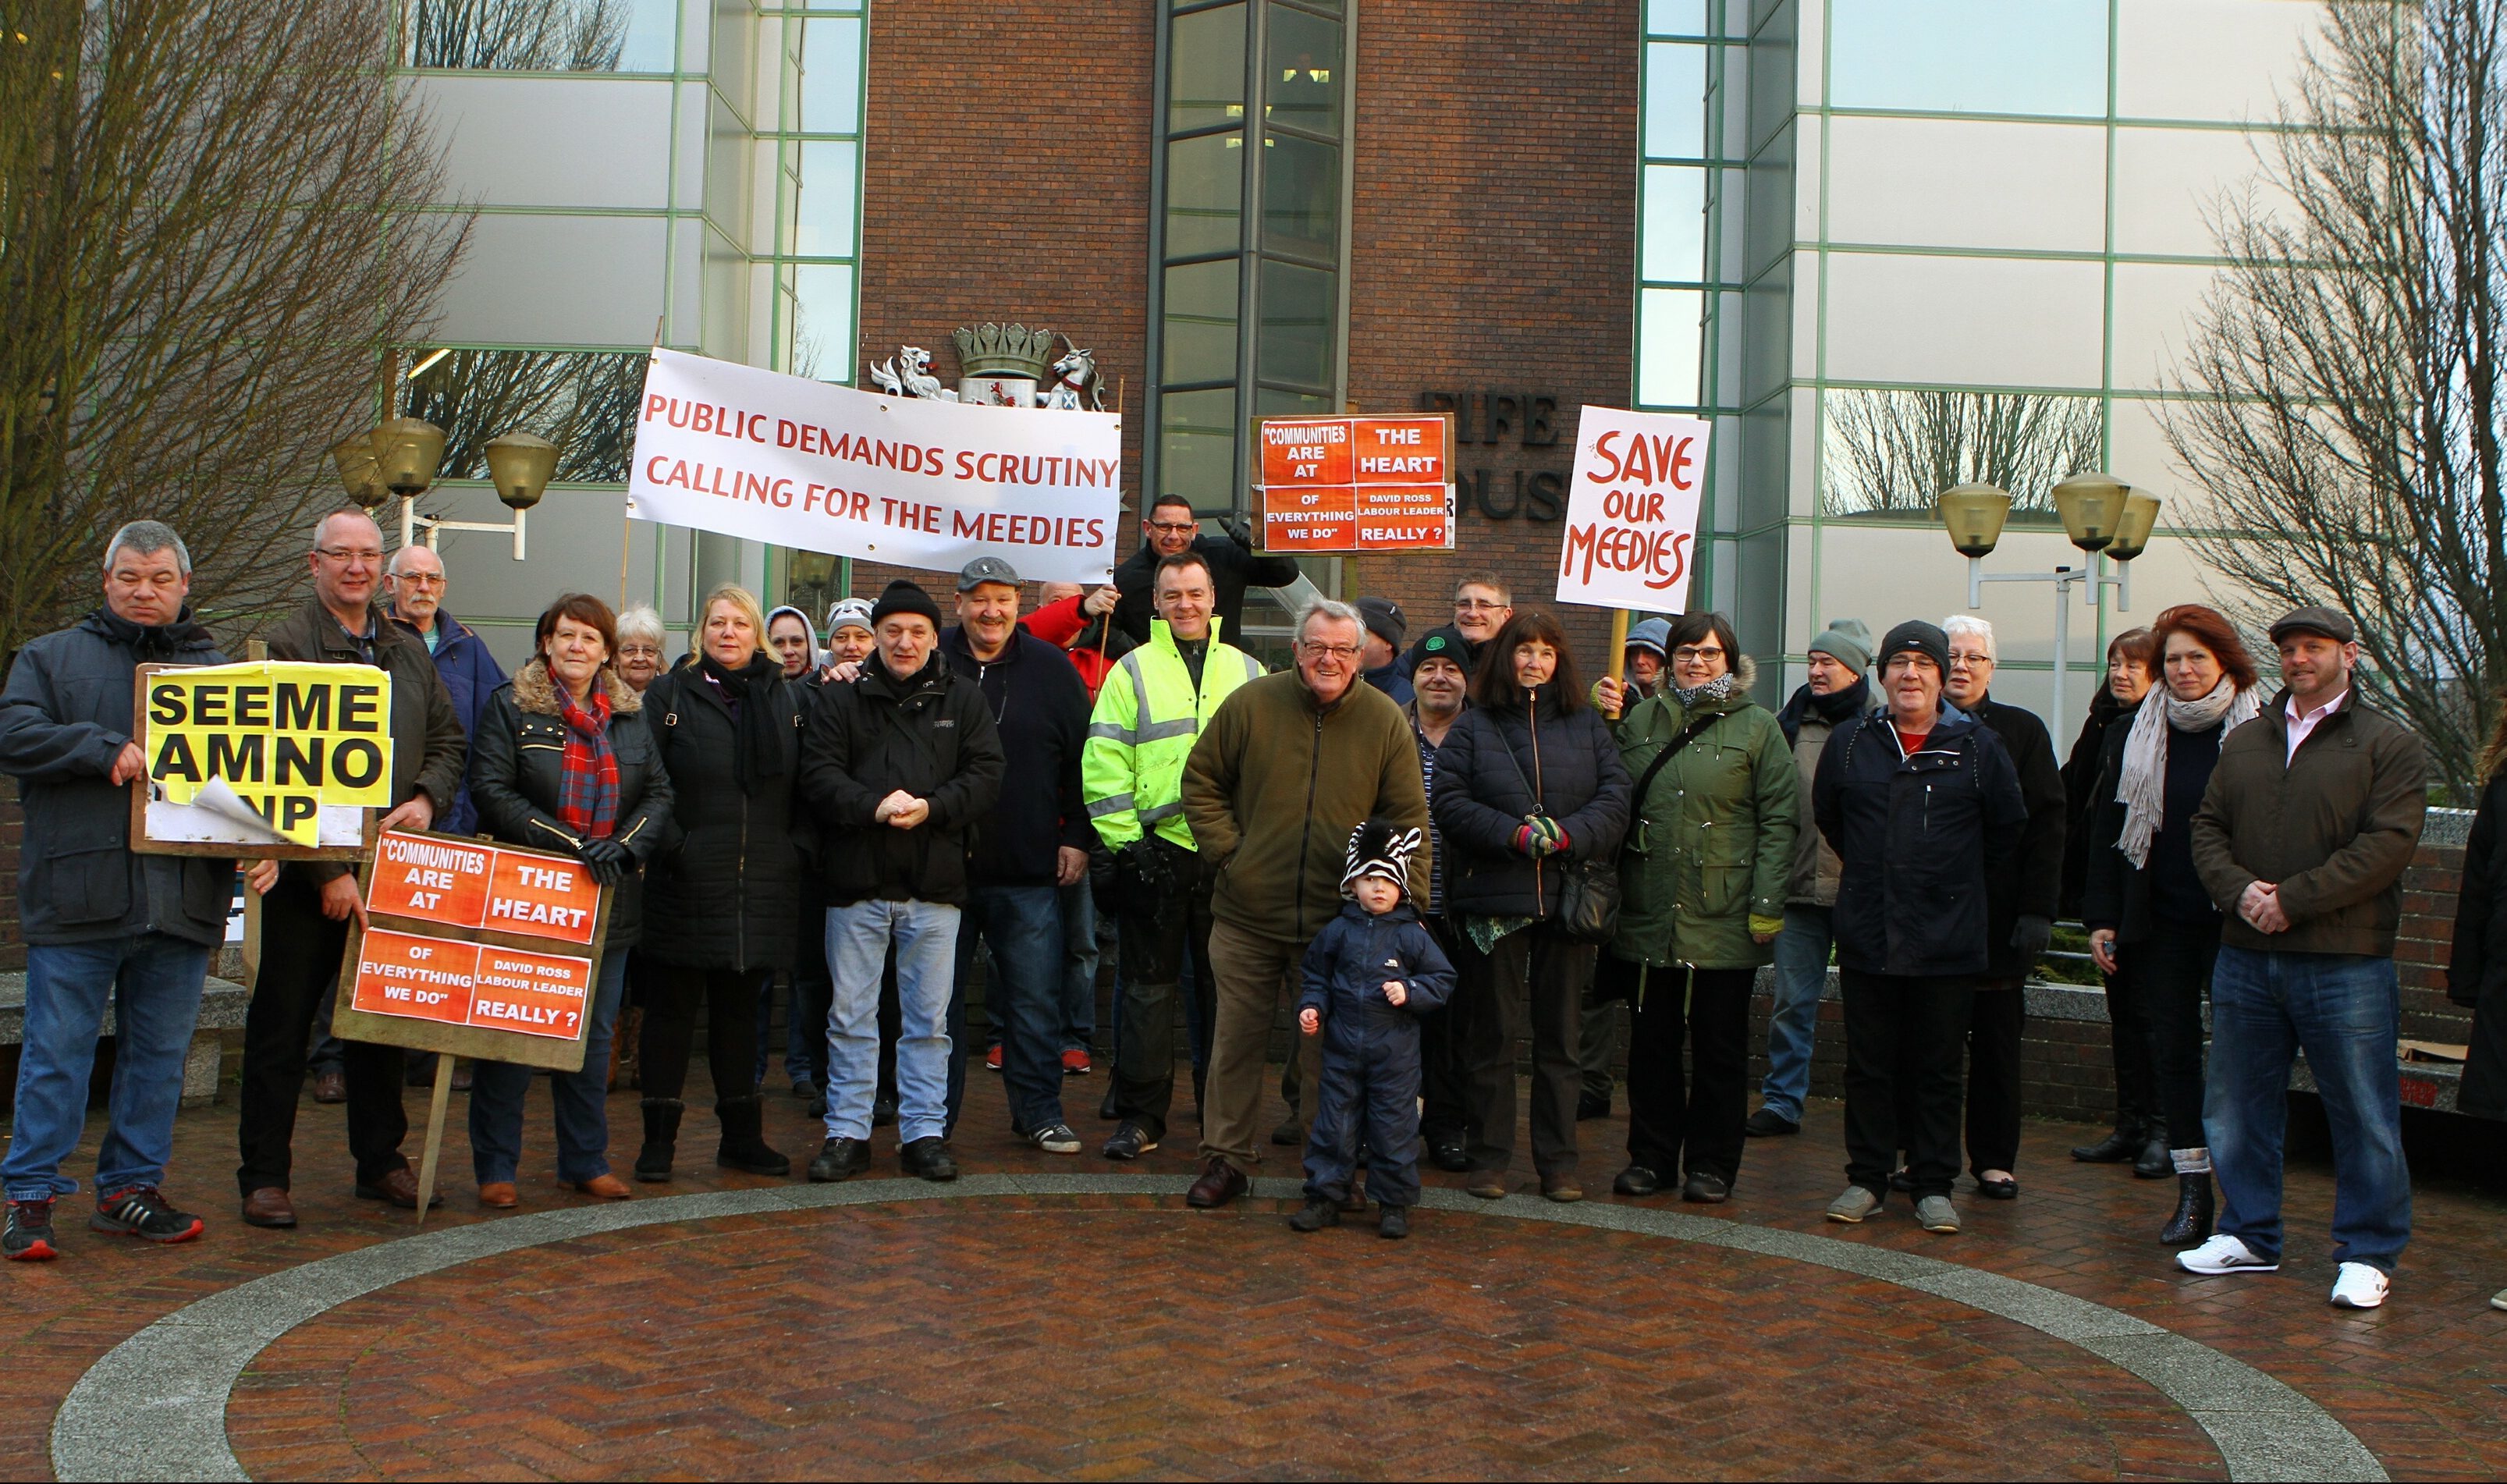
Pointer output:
2333, 827
428, 746
1276, 786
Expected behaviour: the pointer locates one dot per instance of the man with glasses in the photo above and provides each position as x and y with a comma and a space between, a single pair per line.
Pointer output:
1482, 603
304, 920
471, 674
1284, 772
1171, 528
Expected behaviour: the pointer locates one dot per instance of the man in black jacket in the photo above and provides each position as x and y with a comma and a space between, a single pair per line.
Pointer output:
99, 919
1170, 527
2019, 909
897, 765
1030, 844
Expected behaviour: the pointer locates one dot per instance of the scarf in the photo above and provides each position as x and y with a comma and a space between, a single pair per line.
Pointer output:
1718, 689
759, 754
587, 781
152, 645
2143, 788
1833, 708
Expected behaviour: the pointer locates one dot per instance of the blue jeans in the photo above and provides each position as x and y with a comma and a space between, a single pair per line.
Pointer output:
1078, 965
1793, 1018
2342, 1011
154, 982
858, 936
1022, 927
582, 1098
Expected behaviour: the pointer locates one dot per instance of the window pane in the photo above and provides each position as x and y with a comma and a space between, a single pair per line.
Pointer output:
1675, 100
822, 321
2224, 59
1205, 68
1965, 321
1676, 18
1296, 337
1669, 332
2047, 57
1205, 195
544, 35
1303, 86
1968, 183
1675, 222
1201, 324
1197, 447
1278, 402
831, 77
824, 216
1890, 452
583, 401
1300, 196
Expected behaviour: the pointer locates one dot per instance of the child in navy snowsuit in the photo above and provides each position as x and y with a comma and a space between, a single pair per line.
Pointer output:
1370, 975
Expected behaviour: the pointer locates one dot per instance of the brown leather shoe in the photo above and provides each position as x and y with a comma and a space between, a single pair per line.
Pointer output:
400, 1188
330, 1087
269, 1206
499, 1195
1220, 1183
1561, 1187
607, 1187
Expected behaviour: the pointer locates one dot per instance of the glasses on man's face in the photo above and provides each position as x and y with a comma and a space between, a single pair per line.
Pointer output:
1318, 648
343, 555
421, 579
1693, 655
1175, 527
1968, 660
1476, 606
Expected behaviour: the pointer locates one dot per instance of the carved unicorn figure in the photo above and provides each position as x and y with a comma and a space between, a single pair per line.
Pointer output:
1075, 387
914, 379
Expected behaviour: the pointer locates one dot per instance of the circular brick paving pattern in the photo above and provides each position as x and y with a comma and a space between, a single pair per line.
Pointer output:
1123, 1335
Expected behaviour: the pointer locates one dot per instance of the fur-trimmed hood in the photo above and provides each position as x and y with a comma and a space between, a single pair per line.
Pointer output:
535, 690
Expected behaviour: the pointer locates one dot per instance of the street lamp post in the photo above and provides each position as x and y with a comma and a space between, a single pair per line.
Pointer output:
400, 459
2105, 517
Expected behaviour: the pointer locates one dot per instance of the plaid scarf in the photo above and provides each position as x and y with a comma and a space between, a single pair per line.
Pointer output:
586, 785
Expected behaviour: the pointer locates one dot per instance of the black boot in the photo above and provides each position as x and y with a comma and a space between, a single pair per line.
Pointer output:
743, 1144
2192, 1222
2125, 1144
661, 1138
2155, 1163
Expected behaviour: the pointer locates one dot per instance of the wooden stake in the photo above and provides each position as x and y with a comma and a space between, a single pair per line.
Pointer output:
434, 1133
1618, 658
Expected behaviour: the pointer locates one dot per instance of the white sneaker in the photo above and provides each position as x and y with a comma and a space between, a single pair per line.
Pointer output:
2360, 1287
2224, 1254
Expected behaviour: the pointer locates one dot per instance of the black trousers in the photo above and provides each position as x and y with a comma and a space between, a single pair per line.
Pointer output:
1444, 1080
1689, 1123
1154, 941
2173, 965
730, 1000
1536, 976
300, 954
1996, 1017
2130, 1044
1904, 1030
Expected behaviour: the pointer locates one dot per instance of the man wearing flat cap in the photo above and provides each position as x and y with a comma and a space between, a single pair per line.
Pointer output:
2302, 838
1380, 663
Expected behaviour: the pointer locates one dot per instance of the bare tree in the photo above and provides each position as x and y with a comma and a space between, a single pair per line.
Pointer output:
212, 218
1893, 450
2341, 395
522, 35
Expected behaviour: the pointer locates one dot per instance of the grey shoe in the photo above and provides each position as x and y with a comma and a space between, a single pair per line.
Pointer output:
1936, 1213
1852, 1207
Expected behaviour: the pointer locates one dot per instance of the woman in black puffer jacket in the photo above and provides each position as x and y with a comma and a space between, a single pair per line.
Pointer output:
725, 891
1528, 783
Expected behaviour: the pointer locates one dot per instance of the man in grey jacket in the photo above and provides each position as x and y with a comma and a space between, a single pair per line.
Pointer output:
104, 925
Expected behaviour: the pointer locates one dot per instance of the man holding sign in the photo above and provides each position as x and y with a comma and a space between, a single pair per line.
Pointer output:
305, 926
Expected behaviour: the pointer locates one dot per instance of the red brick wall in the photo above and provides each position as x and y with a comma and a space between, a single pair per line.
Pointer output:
2425, 942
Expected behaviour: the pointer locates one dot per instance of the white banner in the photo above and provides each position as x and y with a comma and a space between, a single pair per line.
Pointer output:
1632, 508
748, 453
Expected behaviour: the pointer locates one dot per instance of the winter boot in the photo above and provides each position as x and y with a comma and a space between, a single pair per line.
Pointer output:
2192, 1222
2125, 1144
743, 1144
661, 1138
2155, 1163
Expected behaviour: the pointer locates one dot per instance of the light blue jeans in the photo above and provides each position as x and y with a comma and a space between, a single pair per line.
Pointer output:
154, 984
1793, 1018
925, 936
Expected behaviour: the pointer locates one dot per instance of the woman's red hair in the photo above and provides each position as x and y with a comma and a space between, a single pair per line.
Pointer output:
2207, 627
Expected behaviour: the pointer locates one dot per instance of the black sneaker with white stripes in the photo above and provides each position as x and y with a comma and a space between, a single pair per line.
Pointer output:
29, 1237
142, 1211
1054, 1139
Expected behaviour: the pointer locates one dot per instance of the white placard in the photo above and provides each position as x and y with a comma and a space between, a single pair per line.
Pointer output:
744, 451
1632, 503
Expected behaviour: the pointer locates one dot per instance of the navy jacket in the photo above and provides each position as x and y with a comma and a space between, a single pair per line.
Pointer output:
1919, 837
929, 733
1488, 773
1039, 708
64, 719
1346, 967
471, 676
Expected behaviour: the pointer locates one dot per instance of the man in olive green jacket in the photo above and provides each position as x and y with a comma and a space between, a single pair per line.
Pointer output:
1286, 769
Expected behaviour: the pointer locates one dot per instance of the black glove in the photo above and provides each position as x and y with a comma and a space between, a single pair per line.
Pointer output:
2031, 933
1101, 882
1142, 876
1239, 530
607, 859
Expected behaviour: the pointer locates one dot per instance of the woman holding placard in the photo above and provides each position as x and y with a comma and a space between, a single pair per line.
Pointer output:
565, 760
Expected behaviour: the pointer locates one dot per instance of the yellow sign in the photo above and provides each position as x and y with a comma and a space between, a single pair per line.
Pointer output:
283, 737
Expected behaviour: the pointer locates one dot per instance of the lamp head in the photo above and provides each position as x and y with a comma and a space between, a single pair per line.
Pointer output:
2133, 527
355, 456
2091, 505
521, 463
407, 450
1973, 514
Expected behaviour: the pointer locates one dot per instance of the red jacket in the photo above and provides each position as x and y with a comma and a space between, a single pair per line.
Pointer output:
1062, 622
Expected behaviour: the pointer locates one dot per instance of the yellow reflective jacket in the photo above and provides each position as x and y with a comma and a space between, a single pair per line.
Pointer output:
1147, 720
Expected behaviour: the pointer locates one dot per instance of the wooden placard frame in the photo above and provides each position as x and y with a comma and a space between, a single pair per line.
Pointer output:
142, 844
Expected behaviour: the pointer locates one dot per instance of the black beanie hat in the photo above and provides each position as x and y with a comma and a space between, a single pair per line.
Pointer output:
903, 597
1442, 642
1924, 638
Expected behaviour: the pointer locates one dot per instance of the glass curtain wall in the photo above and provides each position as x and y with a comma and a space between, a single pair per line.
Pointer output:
1248, 273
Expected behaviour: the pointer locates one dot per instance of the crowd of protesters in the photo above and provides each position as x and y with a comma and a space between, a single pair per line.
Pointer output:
1428, 852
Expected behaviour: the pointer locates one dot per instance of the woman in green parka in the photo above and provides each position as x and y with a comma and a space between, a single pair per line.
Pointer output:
1703, 873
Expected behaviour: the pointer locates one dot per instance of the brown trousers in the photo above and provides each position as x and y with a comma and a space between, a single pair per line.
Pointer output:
1253, 973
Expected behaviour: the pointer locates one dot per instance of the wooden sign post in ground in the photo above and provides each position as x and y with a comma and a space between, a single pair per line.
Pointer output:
485, 951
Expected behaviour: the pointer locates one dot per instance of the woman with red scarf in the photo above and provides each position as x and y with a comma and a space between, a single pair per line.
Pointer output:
563, 760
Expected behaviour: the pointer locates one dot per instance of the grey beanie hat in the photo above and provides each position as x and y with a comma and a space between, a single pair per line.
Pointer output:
1846, 640
1653, 633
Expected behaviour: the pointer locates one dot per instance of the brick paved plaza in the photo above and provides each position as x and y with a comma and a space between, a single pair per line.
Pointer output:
1081, 1321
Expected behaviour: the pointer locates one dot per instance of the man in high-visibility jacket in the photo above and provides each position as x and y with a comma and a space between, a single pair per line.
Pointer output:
1148, 713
